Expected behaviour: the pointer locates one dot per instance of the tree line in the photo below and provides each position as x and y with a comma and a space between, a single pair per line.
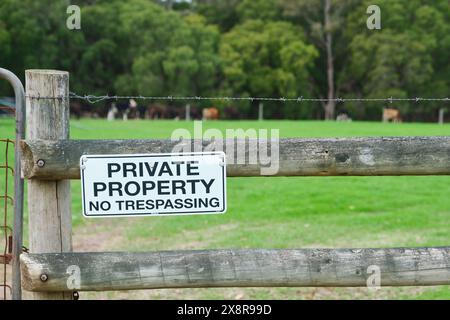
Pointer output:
245, 48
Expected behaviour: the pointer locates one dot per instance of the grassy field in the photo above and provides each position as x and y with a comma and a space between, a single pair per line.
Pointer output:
291, 212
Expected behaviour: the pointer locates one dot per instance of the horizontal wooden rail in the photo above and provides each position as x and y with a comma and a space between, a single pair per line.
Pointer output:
297, 157
235, 268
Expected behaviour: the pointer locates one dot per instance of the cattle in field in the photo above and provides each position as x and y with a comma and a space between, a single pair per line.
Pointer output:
123, 109
343, 117
118, 109
195, 113
79, 109
155, 111
112, 112
173, 112
126, 110
210, 113
391, 115
231, 113
132, 109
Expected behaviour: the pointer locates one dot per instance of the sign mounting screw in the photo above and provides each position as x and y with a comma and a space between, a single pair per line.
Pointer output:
43, 277
40, 163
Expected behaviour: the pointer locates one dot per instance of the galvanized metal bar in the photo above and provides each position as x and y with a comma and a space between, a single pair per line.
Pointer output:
18, 181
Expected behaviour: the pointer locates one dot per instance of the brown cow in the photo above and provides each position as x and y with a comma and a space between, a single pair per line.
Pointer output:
231, 113
210, 114
390, 114
80, 109
155, 111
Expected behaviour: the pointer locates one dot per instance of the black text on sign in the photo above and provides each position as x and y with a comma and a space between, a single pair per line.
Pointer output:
153, 184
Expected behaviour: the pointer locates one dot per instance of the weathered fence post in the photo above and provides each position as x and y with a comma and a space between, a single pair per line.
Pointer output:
188, 112
260, 111
50, 221
441, 116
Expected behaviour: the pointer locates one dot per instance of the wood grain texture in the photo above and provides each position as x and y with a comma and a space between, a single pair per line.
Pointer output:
297, 157
237, 268
48, 201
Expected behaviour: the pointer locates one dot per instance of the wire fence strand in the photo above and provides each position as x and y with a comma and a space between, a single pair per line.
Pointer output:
97, 98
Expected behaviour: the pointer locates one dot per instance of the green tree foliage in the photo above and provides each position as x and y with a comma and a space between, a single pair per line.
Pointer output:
103, 51
323, 21
291, 48
219, 12
265, 10
408, 57
5, 54
274, 63
32, 36
170, 54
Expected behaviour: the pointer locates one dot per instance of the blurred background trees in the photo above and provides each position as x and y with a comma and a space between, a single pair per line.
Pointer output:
279, 48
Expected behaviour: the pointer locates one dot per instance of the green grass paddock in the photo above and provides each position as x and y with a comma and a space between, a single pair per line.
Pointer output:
279, 212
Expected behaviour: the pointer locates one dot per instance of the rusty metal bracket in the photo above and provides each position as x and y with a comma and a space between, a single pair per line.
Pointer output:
8, 198
7, 286
16, 289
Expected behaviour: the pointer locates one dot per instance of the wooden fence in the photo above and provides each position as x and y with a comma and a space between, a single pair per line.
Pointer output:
49, 159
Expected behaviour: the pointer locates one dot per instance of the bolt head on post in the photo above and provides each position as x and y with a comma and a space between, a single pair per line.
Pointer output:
40, 163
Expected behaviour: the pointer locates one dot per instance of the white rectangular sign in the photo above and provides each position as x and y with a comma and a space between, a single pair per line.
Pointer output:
153, 184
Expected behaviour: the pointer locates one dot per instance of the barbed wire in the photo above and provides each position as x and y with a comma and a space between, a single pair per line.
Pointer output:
95, 98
